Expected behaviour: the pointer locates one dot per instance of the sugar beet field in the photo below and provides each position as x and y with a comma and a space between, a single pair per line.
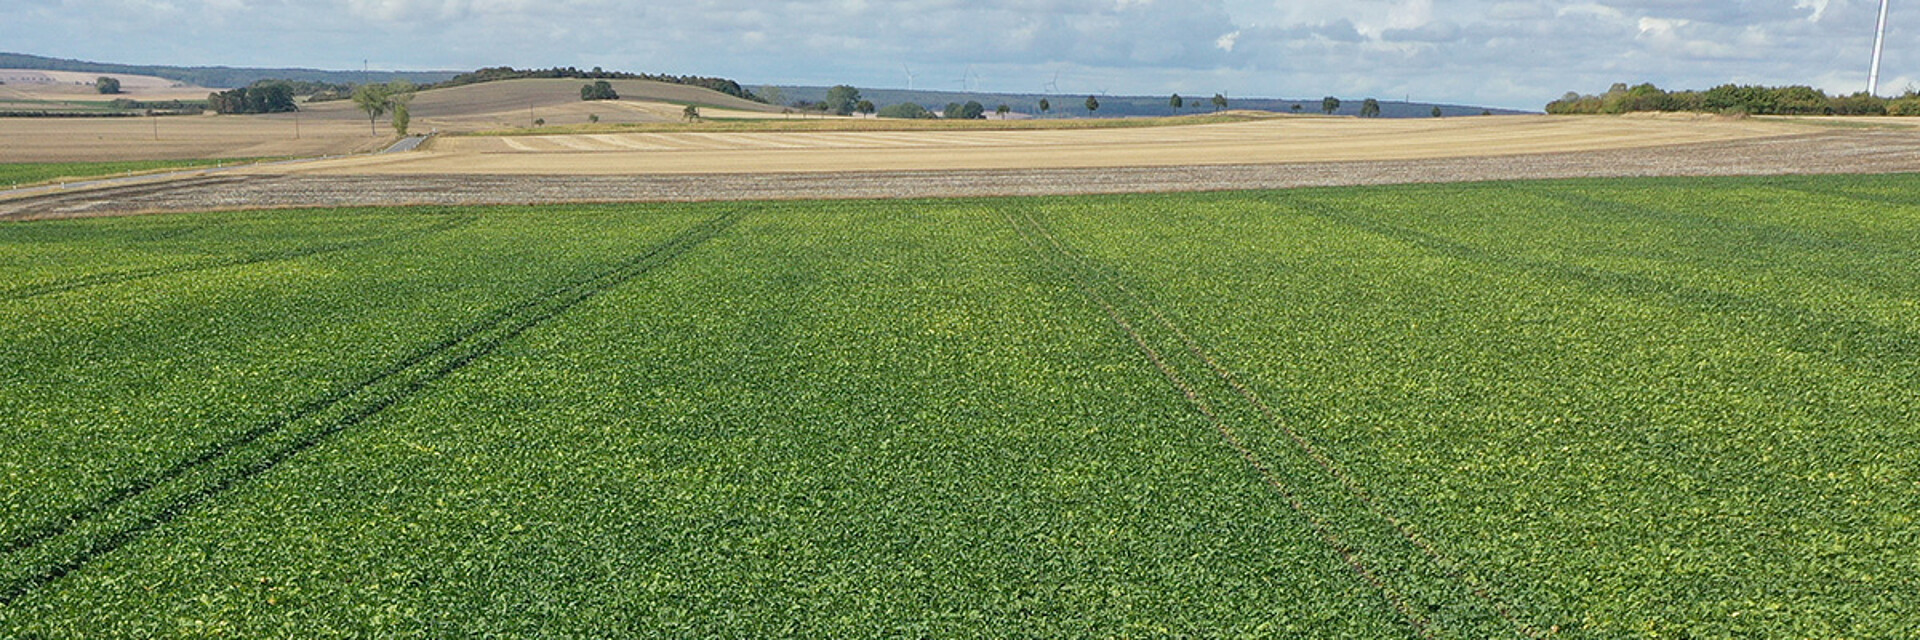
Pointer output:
1658, 408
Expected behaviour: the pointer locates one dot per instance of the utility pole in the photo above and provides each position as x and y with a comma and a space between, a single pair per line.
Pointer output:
1879, 39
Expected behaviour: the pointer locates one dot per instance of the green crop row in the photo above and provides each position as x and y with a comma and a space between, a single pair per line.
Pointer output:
21, 174
1593, 409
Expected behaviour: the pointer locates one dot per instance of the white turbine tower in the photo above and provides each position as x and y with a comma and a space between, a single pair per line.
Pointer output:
1879, 39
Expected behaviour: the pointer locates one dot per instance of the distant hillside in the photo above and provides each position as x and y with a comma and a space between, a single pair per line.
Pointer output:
1072, 105
220, 77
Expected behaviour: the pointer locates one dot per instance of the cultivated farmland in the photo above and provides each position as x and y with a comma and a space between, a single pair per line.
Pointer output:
1589, 408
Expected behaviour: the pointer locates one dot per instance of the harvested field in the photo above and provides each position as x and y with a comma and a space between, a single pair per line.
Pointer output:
1278, 140
1822, 152
338, 127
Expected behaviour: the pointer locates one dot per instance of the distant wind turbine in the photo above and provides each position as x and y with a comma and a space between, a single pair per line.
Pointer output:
1879, 39
909, 70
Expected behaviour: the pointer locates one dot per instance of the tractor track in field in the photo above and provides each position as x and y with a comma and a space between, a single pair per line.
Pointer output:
1821, 152
98, 279
1850, 341
1083, 274
67, 542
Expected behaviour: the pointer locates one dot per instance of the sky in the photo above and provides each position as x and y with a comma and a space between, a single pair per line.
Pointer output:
1501, 53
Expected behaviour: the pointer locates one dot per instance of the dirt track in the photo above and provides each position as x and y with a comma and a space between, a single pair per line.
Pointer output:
1835, 151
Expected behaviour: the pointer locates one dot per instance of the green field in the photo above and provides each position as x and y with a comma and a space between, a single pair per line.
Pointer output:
20, 174
1659, 408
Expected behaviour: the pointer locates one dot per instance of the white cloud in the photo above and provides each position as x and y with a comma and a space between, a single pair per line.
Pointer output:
1226, 42
1819, 8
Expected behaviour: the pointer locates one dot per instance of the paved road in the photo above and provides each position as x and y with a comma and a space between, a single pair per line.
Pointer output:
1839, 151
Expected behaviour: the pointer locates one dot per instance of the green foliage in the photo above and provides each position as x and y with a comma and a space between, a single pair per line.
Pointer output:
1583, 409
378, 99
1003, 110
690, 114
14, 174
841, 99
1437, 113
906, 110
371, 99
1045, 106
1329, 104
1727, 98
106, 85
402, 118
865, 106
972, 110
1176, 102
772, 95
1092, 104
1219, 102
598, 90
1370, 108
266, 97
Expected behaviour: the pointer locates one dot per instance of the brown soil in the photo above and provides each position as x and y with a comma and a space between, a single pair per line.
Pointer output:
1829, 151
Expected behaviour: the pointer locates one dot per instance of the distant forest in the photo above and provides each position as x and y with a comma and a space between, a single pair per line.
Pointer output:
335, 85
220, 77
1736, 99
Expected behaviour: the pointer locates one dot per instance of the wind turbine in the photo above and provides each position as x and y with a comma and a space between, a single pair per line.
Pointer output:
909, 70
1879, 39
1054, 86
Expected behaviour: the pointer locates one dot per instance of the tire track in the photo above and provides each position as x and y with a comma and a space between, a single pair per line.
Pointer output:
1453, 568
66, 543
115, 277
1853, 342
1421, 624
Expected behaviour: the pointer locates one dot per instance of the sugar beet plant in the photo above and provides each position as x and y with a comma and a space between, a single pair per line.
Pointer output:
1633, 408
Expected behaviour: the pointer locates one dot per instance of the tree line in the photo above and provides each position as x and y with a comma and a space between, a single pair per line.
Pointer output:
1735, 99
266, 96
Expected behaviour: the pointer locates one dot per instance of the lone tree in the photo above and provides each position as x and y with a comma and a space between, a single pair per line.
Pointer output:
1002, 111
1093, 104
1329, 104
371, 98
865, 107
841, 99
1370, 108
599, 90
401, 118
106, 85
691, 113
1296, 107
378, 99
1436, 112
1219, 102
1176, 102
1045, 106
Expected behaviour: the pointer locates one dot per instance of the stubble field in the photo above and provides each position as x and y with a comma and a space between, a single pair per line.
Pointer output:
1589, 408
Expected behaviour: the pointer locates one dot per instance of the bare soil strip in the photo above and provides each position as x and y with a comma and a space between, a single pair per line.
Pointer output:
1830, 151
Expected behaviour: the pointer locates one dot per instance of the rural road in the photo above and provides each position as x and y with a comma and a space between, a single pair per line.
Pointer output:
1834, 151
